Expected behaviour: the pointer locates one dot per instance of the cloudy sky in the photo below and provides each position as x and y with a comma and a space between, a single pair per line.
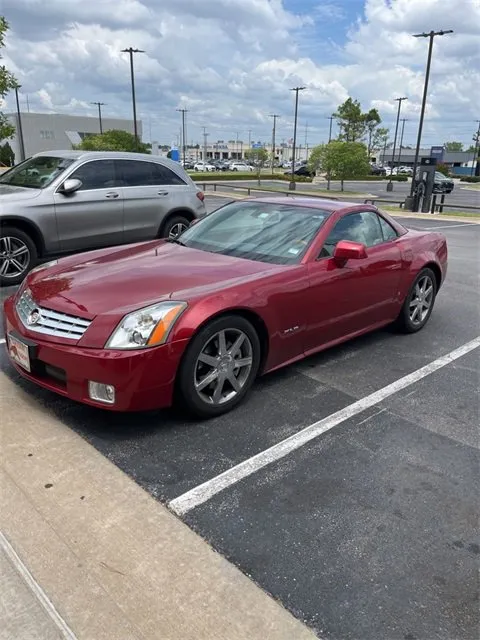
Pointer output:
231, 63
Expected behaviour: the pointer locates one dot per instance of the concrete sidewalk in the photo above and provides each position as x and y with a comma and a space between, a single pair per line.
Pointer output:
111, 562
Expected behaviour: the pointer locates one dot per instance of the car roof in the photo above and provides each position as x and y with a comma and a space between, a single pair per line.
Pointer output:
313, 203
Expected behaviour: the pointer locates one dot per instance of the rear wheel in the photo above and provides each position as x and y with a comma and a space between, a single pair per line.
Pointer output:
419, 302
175, 226
219, 367
18, 255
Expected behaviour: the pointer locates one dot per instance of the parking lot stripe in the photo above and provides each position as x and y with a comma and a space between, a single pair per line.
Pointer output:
453, 226
203, 492
2, 340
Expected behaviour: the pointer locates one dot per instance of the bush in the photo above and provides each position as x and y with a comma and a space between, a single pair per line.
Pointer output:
443, 168
470, 179
220, 176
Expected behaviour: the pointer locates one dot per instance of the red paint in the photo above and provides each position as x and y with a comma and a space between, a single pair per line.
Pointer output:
304, 308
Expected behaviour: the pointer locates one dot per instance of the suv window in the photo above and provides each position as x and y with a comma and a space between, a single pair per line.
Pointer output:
98, 174
138, 173
363, 227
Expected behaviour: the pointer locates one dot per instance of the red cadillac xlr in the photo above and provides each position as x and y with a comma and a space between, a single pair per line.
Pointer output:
252, 287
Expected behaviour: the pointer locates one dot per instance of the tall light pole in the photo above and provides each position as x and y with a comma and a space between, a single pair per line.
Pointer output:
19, 125
431, 35
184, 136
99, 105
330, 130
275, 117
205, 136
131, 51
292, 184
306, 142
476, 159
403, 120
390, 183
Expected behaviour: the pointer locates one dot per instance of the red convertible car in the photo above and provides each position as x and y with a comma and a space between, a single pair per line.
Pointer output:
252, 287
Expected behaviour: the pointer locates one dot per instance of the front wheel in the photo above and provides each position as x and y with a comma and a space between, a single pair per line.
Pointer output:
418, 305
175, 226
18, 255
219, 366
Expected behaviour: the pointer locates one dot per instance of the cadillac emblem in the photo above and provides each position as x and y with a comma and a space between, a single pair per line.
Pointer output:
34, 317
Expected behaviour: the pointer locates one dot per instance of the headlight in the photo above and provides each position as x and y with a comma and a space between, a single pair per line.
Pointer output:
147, 327
45, 265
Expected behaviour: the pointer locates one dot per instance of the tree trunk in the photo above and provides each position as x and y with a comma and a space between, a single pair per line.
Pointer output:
341, 184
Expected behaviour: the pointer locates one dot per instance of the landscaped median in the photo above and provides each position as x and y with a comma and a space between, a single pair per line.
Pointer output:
220, 176
457, 216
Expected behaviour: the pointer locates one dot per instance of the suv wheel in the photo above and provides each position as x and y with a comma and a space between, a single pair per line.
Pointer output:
175, 226
18, 255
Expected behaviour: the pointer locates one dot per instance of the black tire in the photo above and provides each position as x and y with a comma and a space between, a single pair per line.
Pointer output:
404, 322
187, 394
18, 237
180, 222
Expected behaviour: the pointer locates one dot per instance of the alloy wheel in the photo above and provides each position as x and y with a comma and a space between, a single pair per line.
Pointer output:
223, 366
421, 300
14, 257
177, 230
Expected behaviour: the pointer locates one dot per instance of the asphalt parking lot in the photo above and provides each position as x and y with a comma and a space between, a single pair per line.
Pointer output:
370, 529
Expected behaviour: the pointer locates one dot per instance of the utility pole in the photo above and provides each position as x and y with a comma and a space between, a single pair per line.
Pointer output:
205, 136
28, 104
390, 183
330, 131
249, 138
236, 146
292, 184
306, 141
184, 135
403, 120
275, 116
99, 105
476, 160
131, 51
19, 125
431, 35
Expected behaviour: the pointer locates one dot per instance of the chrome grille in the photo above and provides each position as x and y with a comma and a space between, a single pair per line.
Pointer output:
50, 323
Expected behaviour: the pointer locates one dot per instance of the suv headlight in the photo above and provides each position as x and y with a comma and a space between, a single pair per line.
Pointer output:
146, 327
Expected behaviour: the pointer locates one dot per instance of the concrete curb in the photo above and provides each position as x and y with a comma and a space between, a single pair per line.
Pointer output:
114, 562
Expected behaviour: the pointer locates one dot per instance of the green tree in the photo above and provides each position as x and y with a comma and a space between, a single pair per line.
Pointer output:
443, 168
7, 84
341, 160
113, 140
7, 157
350, 121
372, 122
259, 156
453, 146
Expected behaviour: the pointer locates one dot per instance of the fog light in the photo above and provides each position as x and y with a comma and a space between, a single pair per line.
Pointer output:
101, 392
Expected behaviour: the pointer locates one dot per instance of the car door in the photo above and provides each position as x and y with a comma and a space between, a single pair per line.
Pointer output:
93, 215
151, 191
360, 294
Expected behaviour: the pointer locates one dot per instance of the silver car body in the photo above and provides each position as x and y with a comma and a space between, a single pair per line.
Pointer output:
122, 210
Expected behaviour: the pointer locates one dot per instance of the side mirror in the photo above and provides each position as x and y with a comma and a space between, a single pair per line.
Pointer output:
346, 250
70, 186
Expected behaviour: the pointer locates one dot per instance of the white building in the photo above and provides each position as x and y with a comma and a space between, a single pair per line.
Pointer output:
50, 131
232, 149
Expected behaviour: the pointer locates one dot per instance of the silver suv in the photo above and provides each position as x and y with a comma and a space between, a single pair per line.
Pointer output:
63, 201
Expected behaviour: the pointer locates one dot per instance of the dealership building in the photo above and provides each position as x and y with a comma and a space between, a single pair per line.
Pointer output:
50, 131
459, 162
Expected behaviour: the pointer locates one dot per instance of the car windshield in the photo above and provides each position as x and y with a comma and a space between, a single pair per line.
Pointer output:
36, 173
266, 232
440, 176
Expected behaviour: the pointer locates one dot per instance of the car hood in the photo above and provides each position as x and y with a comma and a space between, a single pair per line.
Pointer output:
11, 193
120, 280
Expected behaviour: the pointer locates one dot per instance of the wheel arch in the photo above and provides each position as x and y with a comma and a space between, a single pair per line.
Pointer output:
28, 227
179, 211
433, 266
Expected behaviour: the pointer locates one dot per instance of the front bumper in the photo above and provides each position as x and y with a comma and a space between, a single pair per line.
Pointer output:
143, 379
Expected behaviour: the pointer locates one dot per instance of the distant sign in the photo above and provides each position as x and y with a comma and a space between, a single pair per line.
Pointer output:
175, 155
257, 145
437, 152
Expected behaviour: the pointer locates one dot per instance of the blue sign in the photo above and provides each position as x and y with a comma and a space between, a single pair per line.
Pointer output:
437, 152
175, 155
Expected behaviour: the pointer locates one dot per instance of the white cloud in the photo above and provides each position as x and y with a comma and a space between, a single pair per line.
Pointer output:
232, 62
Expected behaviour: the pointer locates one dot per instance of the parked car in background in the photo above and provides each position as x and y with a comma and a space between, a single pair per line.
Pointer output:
65, 201
406, 171
240, 166
188, 164
252, 287
376, 170
302, 170
201, 166
442, 183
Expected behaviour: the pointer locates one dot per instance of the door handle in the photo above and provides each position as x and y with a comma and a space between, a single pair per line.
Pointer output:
163, 193
112, 194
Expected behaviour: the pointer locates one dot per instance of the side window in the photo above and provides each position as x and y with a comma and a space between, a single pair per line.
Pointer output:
164, 175
99, 174
134, 173
363, 227
388, 231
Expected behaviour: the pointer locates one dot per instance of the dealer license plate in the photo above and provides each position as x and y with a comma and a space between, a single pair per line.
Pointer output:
19, 353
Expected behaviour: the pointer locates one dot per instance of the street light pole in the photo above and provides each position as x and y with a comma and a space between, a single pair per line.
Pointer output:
184, 137
19, 125
131, 51
99, 105
390, 183
431, 35
205, 136
292, 184
275, 116
403, 120
476, 159
330, 131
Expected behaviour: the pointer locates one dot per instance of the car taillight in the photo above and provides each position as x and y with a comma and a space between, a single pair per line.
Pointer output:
200, 195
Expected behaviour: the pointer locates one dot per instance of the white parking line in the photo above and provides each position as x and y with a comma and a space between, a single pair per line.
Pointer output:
2, 340
200, 494
452, 226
